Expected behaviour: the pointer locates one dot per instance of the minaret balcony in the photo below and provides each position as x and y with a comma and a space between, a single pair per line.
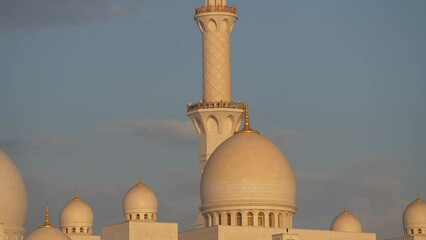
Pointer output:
209, 105
205, 9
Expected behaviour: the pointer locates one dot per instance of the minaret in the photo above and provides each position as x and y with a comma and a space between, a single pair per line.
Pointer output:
216, 117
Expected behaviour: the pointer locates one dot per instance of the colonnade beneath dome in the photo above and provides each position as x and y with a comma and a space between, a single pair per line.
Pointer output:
250, 218
77, 230
140, 216
415, 231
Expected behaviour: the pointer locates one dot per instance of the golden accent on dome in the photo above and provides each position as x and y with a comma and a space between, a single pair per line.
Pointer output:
246, 128
345, 207
140, 179
46, 220
418, 196
76, 197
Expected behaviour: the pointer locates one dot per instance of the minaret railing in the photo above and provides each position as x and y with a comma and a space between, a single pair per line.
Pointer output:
209, 105
205, 9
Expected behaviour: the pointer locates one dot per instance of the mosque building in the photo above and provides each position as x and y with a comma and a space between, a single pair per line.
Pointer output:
247, 184
414, 221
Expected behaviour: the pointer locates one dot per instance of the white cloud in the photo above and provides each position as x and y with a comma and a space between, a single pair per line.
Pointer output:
43, 142
168, 130
30, 14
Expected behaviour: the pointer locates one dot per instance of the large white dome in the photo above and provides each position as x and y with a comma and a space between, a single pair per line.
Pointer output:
415, 215
247, 171
77, 214
346, 222
13, 195
140, 203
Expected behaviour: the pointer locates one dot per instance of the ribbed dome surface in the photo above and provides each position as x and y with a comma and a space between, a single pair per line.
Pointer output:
13, 195
415, 214
140, 198
245, 170
49, 233
346, 222
77, 213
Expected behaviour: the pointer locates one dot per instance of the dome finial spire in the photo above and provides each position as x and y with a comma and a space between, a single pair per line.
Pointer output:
247, 128
418, 196
345, 206
46, 219
76, 193
140, 179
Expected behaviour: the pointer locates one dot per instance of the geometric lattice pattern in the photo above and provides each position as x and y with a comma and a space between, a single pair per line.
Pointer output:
217, 57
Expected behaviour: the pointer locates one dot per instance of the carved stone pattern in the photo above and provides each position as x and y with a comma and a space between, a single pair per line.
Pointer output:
216, 65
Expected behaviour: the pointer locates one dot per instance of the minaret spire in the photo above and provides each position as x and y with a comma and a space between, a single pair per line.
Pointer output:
216, 117
216, 21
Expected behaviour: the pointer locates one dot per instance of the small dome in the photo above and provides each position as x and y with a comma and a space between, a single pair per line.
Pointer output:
47, 231
140, 199
346, 222
415, 214
77, 213
13, 195
248, 170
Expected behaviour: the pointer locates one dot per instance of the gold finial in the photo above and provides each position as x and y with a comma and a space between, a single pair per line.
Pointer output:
76, 197
46, 220
140, 179
345, 207
418, 196
247, 128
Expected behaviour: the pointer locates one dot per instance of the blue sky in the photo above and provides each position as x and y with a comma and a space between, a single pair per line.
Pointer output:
92, 92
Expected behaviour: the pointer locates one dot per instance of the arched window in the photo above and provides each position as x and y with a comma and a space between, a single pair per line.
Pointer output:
73, 230
81, 230
145, 216
130, 216
420, 231
66, 230
219, 219
228, 219
239, 218
250, 219
412, 231
261, 219
280, 220
271, 219
138, 216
